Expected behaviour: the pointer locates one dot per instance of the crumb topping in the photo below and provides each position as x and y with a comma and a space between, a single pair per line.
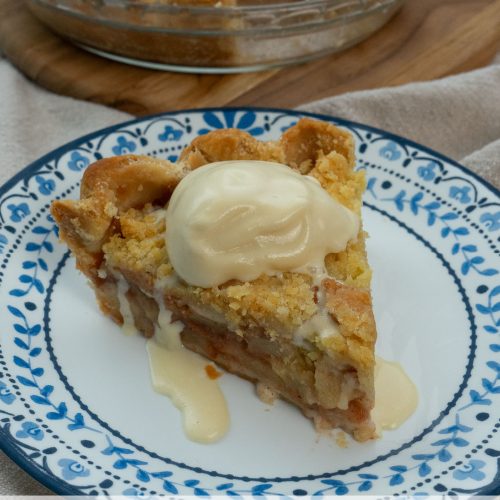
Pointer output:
278, 303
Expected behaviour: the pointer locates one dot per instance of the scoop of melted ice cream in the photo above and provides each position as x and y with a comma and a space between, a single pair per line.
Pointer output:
240, 219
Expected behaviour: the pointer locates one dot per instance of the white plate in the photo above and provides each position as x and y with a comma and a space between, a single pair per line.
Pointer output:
76, 406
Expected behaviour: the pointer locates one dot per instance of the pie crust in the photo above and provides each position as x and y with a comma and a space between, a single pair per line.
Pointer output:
116, 231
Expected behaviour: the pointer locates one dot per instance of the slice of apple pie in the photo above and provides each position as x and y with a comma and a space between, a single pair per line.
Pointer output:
255, 247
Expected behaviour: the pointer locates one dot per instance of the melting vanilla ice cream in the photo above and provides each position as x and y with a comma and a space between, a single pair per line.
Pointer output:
182, 376
240, 219
396, 397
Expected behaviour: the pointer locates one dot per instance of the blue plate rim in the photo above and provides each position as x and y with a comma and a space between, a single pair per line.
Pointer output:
53, 483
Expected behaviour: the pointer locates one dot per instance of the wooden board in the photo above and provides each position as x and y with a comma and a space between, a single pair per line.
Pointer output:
428, 39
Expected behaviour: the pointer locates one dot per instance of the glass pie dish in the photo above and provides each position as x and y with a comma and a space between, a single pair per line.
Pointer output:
214, 36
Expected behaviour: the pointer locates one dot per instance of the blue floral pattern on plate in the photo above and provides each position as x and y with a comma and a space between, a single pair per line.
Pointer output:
18, 212
419, 191
77, 161
30, 430
71, 469
6, 395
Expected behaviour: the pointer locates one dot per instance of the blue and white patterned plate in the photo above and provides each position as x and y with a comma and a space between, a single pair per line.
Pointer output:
76, 406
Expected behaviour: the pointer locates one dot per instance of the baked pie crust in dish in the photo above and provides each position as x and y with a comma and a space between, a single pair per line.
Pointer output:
214, 35
117, 233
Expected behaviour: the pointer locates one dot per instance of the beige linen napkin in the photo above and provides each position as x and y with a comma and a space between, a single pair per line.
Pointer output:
458, 116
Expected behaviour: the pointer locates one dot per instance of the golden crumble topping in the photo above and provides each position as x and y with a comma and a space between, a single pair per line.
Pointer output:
282, 303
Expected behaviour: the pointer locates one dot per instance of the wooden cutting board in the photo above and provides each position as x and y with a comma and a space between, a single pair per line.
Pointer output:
427, 39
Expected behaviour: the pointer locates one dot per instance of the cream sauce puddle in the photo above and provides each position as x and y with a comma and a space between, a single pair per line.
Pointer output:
396, 397
181, 375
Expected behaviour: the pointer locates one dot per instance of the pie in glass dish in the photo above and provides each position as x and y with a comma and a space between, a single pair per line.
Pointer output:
304, 335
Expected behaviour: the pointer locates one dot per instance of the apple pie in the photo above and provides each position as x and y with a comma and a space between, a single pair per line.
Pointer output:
304, 336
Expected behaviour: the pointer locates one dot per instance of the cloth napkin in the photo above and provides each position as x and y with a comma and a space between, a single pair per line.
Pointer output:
458, 116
